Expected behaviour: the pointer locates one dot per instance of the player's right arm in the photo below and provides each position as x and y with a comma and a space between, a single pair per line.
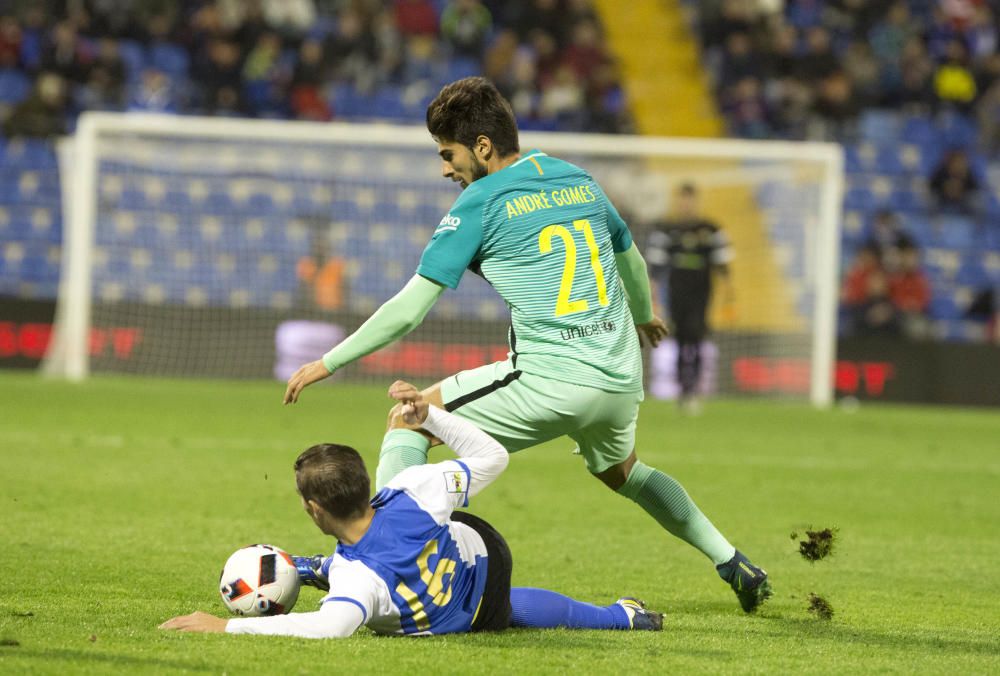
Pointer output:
355, 596
452, 249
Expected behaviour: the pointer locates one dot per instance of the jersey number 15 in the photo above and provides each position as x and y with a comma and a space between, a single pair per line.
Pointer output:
565, 306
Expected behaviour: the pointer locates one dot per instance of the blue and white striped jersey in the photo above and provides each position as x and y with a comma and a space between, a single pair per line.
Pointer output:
414, 571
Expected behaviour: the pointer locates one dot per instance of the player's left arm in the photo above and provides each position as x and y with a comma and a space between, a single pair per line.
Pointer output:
635, 277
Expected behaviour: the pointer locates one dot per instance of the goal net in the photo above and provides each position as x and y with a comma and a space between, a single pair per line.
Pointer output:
206, 247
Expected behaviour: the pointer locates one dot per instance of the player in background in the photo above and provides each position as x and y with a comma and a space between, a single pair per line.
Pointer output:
545, 236
685, 252
406, 562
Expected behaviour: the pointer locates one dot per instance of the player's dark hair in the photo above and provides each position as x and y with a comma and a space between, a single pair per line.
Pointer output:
472, 107
688, 189
335, 477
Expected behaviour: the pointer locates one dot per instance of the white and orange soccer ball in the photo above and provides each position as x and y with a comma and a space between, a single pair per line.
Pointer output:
259, 580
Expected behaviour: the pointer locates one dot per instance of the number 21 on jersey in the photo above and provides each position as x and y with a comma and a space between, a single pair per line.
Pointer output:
565, 306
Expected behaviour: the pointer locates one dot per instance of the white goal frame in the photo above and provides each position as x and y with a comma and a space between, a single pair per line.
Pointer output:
69, 355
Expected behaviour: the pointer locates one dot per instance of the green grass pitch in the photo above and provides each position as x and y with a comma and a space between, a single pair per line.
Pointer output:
121, 498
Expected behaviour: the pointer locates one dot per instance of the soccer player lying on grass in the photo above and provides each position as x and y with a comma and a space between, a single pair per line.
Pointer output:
546, 237
406, 563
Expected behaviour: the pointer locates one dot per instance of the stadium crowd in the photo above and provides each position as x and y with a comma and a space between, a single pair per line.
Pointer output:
295, 58
806, 68
809, 69
800, 69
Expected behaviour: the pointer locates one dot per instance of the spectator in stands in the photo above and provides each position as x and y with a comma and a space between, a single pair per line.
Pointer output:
538, 15
416, 17
890, 36
981, 35
739, 61
954, 83
985, 309
910, 292
563, 99
988, 118
746, 109
915, 91
888, 238
466, 24
836, 104
819, 62
218, 76
388, 47
867, 262
307, 100
865, 295
43, 113
320, 274
954, 185
155, 93
734, 16
292, 18
63, 54
352, 51
584, 53
862, 69
606, 108
104, 88
10, 42
264, 76
520, 86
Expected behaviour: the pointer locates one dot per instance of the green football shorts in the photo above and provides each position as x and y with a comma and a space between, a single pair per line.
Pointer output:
521, 410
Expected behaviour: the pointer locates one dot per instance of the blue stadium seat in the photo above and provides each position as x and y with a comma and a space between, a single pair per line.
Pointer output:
943, 306
888, 161
920, 130
972, 273
879, 126
904, 199
134, 57
860, 198
957, 130
954, 232
14, 86
169, 58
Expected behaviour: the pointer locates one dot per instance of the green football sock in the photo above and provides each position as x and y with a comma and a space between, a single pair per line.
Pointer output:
667, 502
400, 449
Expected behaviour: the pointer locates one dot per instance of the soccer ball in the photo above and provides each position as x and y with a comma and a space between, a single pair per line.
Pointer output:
259, 580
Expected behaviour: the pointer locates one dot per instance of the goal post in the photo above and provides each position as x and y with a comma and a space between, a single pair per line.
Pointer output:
232, 248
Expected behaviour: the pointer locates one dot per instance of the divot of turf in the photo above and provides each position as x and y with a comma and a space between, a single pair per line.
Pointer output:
10, 642
817, 545
820, 607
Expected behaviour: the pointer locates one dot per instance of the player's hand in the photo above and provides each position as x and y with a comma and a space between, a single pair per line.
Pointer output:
652, 332
313, 372
197, 621
414, 409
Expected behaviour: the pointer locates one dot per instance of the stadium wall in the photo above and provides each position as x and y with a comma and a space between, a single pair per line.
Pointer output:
871, 369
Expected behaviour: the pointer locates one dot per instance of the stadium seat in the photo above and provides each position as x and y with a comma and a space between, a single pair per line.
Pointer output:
171, 59
134, 57
943, 306
14, 86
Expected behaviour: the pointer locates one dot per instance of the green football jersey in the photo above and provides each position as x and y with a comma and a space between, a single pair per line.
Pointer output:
544, 235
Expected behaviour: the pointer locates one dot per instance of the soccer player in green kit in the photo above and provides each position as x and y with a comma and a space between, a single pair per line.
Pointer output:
545, 236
